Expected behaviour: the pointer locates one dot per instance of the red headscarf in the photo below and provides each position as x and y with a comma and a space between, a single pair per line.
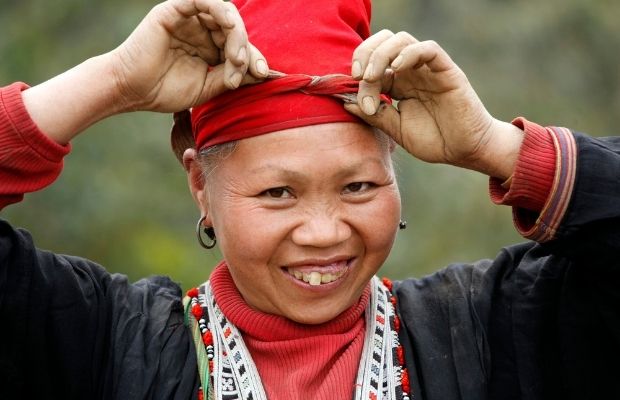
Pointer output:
304, 40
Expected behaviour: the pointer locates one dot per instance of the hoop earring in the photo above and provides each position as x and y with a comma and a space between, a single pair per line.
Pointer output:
402, 225
209, 231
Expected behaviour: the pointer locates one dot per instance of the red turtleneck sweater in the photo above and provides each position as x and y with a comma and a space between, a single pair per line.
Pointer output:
297, 361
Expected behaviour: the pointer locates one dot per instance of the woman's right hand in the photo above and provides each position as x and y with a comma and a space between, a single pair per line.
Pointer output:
183, 53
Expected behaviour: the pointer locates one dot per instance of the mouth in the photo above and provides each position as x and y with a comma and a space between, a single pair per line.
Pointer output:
317, 273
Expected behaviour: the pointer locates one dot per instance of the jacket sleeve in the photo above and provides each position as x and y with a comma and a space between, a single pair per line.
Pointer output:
73, 331
541, 320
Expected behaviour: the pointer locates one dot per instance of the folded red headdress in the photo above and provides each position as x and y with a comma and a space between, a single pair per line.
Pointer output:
312, 44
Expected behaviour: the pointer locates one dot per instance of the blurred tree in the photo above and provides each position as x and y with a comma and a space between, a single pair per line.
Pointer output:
122, 198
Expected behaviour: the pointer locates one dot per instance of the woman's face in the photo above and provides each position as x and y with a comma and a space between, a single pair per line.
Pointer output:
305, 217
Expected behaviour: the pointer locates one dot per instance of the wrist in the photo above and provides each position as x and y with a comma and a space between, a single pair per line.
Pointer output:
499, 158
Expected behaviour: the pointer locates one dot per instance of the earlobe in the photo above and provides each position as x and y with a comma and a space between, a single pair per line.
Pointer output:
196, 182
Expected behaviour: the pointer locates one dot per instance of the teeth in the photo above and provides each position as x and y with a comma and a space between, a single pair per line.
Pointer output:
326, 278
315, 278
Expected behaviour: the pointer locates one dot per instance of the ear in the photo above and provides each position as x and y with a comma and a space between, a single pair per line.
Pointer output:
197, 183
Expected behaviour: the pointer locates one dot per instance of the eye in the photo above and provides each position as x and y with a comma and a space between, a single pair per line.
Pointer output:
278, 193
357, 187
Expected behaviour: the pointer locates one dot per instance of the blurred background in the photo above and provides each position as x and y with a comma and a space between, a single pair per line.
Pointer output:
123, 201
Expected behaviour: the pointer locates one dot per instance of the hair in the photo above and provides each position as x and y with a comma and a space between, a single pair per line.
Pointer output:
211, 157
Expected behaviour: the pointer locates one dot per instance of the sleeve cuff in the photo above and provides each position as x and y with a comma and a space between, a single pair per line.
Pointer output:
542, 182
24, 129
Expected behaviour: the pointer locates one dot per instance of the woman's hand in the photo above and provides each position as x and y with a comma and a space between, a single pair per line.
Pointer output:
165, 63
183, 53
440, 118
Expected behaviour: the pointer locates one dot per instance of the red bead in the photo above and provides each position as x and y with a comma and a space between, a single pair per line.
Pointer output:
201, 395
393, 301
380, 319
192, 292
207, 338
372, 396
197, 311
404, 380
210, 367
396, 323
388, 283
227, 332
400, 354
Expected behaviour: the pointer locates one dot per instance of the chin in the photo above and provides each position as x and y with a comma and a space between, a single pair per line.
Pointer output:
312, 319
315, 314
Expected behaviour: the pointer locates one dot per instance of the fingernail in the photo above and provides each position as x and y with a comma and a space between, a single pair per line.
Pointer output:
369, 72
368, 104
261, 67
356, 69
235, 79
397, 62
242, 54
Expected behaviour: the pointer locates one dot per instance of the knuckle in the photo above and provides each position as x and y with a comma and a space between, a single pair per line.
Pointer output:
404, 37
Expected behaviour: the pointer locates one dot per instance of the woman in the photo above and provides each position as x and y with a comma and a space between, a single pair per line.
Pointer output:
302, 200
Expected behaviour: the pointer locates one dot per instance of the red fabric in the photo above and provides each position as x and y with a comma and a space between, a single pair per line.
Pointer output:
533, 176
534, 172
29, 160
296, 37
297, 361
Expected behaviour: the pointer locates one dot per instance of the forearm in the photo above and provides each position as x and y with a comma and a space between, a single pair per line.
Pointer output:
67, 104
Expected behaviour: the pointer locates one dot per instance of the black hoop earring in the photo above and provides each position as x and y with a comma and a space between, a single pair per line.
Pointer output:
402, 225
209, 231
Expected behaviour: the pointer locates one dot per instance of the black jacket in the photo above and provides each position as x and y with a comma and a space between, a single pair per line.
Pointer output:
541, 321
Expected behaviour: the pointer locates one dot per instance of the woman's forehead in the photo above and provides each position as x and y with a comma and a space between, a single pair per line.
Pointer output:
344, 136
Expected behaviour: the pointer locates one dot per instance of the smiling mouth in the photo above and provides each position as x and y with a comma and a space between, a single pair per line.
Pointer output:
316, 276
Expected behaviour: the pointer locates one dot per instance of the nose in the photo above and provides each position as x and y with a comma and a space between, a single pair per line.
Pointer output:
322, 228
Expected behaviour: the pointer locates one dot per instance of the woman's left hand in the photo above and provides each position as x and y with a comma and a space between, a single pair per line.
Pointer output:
439, 118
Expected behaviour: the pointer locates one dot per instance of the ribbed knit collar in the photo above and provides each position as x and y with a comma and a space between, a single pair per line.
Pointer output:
269, 327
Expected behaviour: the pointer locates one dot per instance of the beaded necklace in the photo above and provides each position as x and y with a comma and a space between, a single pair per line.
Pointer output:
382, 373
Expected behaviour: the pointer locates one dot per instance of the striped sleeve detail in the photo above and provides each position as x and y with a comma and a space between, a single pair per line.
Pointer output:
552, 214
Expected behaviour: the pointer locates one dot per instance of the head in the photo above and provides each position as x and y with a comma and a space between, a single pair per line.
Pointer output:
309, 200
304, 202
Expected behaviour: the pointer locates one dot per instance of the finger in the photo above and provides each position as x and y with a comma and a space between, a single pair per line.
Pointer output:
427, 53
368, 94
233, 74
214, 84
208, 22
257, 64
221, 12
387, 118
382, 56
219, 38
364, 50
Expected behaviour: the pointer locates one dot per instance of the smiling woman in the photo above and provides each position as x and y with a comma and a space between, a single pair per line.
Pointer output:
299, 193
292, 200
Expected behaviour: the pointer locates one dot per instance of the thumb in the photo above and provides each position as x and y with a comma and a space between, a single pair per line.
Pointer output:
215, 83
387, 119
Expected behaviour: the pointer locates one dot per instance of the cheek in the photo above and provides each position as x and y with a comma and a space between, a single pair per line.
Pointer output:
378, 225
245, 235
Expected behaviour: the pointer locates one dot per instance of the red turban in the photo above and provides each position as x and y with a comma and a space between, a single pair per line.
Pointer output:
304, 40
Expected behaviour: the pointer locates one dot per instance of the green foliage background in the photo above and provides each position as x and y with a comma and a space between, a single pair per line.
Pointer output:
122, 199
